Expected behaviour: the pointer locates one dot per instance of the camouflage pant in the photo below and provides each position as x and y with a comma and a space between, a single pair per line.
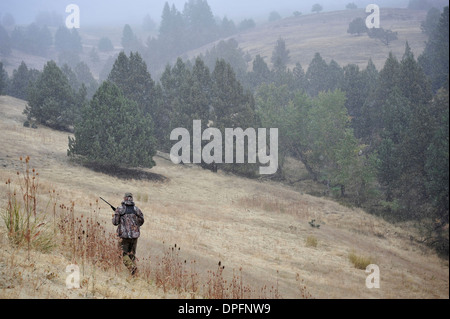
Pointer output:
129, 253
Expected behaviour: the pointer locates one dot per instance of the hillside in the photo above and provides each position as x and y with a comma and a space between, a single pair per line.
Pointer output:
326, 33
262, 227
305, 35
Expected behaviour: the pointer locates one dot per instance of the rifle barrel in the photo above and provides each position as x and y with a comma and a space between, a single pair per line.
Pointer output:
112, 207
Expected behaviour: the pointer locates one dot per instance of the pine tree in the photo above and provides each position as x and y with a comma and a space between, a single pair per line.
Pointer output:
227, 28
387, 81
84, 75
300, 80
402, 133
201, 91
172, 39
280, 56
113, 131
334, 77
260, 74
231, 104
3, 79
353, 85
232, 108
200, 22
71, 77
129, 40
434, 59
415, 87
358, 86
130, 74
412, 80
395, 116
274, 109
68, 40
51, 99
316, 73
105, 44
175, 106
5, 41
22, 78
431, 22
32, 39
437, 159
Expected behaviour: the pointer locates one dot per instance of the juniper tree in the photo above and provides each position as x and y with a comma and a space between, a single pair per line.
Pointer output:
274, 107
173, 107
68, 40
233, 107
84, 75
129, 40
3, 79
387, 80
435, 57
357, 85
300, 80
130, 74
113, 131
280, 56
200, 22
105, 44
437, 158
316, 74
22, 78
51, 100
357, 26
316, 8
5, 41
260, 73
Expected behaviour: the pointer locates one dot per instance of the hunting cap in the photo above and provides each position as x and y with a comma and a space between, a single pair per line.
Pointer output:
128, 195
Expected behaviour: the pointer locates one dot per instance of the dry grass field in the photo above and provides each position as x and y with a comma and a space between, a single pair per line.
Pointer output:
258, 230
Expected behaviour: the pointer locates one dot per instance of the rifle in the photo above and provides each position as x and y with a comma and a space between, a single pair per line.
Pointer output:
112, 207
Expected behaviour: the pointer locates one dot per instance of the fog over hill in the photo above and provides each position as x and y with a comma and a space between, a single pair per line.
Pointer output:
119, 12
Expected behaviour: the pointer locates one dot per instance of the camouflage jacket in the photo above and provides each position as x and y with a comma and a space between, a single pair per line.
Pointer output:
129, 219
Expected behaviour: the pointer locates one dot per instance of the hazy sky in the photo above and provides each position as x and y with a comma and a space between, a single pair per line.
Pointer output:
133, 11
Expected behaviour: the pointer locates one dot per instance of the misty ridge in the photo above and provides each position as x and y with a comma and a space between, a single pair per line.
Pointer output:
116, 12
374, 137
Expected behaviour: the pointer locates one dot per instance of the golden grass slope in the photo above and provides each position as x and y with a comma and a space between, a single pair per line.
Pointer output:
326, 33
262, 227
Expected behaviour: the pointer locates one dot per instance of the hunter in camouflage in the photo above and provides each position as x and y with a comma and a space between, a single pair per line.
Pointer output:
129, 218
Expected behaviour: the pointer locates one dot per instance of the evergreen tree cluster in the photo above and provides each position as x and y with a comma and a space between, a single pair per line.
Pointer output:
32, 39
181, 31
215, 97
320, 75
52, 101
377, 138
68, 40
22, 79
37, 39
